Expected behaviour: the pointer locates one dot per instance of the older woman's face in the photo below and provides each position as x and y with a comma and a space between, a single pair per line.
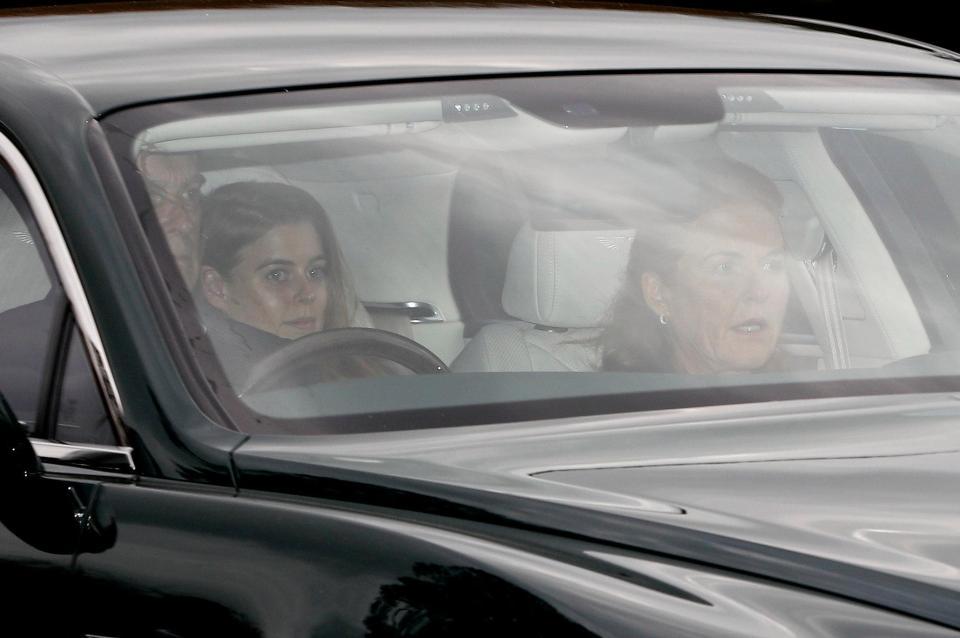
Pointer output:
725, 303
279, 285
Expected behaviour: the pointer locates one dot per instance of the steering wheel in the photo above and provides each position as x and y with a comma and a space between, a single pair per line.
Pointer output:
341, 353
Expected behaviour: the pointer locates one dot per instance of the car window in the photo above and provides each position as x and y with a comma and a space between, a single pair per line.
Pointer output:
82, 416
30, 306
25, 278
44, 371
454, 253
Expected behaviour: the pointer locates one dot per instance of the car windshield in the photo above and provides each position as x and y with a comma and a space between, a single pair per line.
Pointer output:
453, 253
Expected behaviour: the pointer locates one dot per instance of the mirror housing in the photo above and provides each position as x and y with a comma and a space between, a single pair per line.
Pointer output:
18, 463
47, 514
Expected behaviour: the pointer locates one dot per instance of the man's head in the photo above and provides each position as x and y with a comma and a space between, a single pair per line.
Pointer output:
174, 182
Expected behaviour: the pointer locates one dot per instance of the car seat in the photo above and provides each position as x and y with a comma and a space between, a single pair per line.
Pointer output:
560, 283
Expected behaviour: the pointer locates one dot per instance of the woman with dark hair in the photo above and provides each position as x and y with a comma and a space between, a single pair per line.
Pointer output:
271, 270
705, 289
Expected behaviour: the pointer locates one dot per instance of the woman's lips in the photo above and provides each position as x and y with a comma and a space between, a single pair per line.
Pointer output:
306, 324
751, 326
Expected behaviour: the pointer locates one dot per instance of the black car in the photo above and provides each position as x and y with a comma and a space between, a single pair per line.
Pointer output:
401, 320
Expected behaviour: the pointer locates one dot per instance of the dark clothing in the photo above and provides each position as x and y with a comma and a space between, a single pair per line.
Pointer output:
634, 362
238, 347
26, 336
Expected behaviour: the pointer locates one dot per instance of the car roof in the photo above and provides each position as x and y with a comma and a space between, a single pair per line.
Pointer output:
120, 54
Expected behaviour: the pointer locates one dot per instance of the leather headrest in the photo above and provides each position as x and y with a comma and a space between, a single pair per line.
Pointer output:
565, 277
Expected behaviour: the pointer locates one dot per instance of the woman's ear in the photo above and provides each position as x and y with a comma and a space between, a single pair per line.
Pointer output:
214, 288
654, 294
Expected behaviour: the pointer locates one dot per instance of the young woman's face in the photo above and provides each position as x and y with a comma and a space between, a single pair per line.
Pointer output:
725, 304
279, 285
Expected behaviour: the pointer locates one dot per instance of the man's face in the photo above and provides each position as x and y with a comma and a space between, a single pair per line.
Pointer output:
174, 185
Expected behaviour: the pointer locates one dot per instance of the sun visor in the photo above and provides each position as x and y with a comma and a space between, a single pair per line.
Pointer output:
329, 122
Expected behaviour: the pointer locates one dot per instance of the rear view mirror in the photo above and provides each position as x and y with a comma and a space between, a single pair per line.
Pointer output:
626, 100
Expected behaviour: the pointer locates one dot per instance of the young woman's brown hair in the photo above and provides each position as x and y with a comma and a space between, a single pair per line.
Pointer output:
236, 215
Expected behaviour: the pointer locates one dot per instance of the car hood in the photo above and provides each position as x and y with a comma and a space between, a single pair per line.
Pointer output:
864, 487
877, 491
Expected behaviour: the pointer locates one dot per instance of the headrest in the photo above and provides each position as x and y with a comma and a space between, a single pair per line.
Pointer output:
215, 179
565, 278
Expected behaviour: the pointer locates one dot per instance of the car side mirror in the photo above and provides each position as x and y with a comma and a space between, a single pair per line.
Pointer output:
47, 514
18, 464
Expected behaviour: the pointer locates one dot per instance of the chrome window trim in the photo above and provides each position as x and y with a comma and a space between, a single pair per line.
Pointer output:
104, 458
417, 311
67, 272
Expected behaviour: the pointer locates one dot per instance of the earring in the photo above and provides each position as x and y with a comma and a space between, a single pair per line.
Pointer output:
663, 320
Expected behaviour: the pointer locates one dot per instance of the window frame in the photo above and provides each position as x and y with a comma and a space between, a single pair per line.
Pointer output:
884, 204
74, 309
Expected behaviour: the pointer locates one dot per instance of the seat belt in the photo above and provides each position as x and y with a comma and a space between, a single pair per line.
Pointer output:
812, 274
804, 287
823, 271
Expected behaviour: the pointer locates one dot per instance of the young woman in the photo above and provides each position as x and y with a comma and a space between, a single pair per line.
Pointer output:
271, 271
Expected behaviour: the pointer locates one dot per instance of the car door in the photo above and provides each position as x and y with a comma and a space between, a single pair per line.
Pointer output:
74, 507
50, 390
105, 532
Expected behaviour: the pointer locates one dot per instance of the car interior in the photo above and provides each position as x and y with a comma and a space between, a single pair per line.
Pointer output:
498, 238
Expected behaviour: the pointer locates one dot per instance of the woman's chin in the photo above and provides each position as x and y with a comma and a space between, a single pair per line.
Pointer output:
297, 329
748, 355
750, 361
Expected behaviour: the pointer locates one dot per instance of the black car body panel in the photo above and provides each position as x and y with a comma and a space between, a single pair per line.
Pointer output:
708, 502
519, 533
328, 568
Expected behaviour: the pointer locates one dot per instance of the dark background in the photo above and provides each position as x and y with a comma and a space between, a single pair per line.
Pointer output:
920, 19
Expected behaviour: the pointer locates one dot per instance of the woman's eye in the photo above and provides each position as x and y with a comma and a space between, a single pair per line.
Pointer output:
773, 265
277, 276
724, 268
317, 273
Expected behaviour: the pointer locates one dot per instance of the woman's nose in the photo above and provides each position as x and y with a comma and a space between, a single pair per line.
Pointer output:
757, 286
307, 290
